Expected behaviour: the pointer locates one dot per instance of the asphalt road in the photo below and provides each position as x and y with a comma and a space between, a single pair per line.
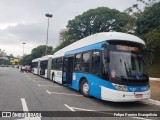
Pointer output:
28, 92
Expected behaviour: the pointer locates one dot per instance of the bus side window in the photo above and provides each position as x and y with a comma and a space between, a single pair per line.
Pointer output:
59, 62
54, 66
96, 63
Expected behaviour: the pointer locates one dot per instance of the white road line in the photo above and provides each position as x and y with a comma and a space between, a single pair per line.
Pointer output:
69, 107
24, 104
140, 118
155, 102
39, 81
48, 92
48, 85
81, 109
62, 93
25, 108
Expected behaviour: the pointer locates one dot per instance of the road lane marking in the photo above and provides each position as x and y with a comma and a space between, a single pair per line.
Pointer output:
62, 93
25, 108
151, 102
75, 108
24, 104
82, 109
69, 107
140, 118
49, 85
39, 81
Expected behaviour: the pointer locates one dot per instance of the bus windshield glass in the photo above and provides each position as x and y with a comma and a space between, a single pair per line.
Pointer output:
127, 62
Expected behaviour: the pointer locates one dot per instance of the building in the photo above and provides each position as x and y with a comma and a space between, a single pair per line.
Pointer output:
61, 35
3, 55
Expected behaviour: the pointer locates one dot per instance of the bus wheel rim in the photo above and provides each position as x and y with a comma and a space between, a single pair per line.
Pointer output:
85, 88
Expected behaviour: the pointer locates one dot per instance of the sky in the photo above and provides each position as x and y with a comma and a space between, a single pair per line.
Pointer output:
24, 20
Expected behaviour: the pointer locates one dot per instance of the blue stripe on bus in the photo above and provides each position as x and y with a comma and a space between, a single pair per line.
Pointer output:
95, 84
90, 47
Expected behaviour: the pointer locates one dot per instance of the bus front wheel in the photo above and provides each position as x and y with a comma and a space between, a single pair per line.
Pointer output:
85, 88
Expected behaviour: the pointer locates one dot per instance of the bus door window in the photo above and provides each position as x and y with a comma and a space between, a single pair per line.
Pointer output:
77, 64
96, 63
85, 65
65, 63
44, 65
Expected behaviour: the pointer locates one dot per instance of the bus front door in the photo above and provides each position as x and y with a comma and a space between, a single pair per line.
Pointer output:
67, 70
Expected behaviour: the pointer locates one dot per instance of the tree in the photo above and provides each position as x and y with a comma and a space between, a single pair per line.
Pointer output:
135, 10
97, 20
149, 20
148, 26
40, 51
26, 60
36, 53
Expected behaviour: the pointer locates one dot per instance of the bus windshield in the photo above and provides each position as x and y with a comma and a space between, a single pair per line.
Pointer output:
127, 65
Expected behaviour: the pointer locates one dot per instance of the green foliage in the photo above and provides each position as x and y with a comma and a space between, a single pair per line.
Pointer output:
94, 21
36, 53
149, 20
62, 45
40, 51
98, 20
153, 69
26, 60
153, 38
4, 61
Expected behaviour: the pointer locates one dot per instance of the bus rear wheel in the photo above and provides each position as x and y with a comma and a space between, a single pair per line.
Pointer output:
85, 88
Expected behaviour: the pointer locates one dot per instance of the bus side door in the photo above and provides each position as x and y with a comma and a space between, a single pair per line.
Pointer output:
67, 71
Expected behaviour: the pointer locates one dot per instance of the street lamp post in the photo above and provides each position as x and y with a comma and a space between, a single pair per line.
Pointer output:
23, 48
49, 16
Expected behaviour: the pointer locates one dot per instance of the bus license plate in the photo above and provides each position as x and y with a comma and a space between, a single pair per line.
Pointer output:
139, 95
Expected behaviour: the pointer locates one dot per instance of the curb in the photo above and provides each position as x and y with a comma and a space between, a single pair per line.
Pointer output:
155, 79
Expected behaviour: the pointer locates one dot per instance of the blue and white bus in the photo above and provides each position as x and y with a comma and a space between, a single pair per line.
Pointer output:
108, 66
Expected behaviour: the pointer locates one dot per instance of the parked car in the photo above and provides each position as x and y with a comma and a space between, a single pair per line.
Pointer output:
28, 68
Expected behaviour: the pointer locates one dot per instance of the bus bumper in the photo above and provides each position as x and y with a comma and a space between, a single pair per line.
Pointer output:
121, 96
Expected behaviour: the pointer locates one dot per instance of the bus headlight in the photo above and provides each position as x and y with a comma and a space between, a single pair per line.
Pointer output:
120, 87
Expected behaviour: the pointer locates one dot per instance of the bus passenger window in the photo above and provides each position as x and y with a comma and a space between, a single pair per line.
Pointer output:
59, 63
54, 66
96, 63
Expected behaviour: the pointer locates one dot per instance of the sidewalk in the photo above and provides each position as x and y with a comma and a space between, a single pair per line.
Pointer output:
155, 88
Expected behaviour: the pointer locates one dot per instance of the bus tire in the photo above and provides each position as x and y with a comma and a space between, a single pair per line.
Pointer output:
84, 87
53, 77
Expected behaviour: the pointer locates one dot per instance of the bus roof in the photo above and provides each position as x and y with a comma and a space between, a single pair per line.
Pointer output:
97, 38
35, 60
45, 57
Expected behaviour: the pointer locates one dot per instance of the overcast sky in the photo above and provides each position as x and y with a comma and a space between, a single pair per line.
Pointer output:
25, 21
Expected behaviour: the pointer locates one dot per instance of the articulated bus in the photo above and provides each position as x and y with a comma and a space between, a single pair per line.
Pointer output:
109, 66
45, 66
35, 66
